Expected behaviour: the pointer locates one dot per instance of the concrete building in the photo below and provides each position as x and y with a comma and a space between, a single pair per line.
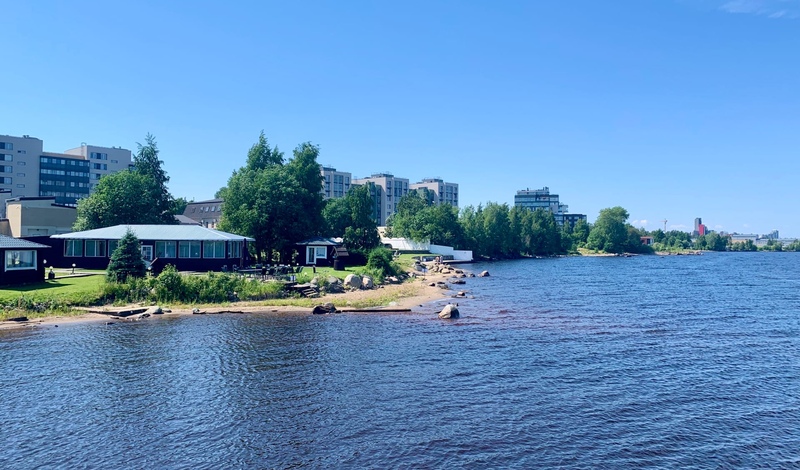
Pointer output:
388, 192
206, 213
38, 216
543, 199
26, 170
444, 193
335, 183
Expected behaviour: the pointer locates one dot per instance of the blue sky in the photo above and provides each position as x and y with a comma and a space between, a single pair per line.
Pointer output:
673, 109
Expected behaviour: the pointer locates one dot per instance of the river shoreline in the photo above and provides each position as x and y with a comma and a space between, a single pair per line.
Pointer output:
414, 295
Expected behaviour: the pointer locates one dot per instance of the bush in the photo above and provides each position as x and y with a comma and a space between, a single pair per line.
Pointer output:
380, 264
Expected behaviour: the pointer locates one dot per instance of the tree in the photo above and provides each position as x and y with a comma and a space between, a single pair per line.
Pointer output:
126, 260
147, 163
277, 204
179, 205
261, 155
125, 197
580, 232
609, 233
362, 233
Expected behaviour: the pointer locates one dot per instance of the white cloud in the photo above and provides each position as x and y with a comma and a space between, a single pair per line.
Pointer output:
786, 9
639, 223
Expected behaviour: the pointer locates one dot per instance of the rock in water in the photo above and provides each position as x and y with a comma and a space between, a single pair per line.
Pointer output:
327, 307
449, 311
352, 281
484, 274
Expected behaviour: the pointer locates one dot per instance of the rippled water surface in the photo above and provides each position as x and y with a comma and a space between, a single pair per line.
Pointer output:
579, 362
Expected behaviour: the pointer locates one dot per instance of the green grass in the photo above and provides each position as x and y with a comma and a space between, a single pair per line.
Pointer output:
50, 297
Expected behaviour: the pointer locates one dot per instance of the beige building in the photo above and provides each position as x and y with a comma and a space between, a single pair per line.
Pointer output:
38, 216
389, 191
102, 160
444, 193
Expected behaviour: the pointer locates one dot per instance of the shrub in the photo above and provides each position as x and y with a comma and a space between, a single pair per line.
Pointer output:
380, 264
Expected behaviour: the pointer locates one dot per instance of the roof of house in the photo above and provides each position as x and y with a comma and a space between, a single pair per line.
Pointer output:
182, 219
320, 241
14, 243
155, 232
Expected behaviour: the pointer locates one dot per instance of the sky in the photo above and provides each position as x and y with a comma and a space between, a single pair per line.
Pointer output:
672, 109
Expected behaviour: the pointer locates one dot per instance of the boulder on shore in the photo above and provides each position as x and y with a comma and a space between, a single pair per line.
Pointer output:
352, 281
366, 283
448, 312
484, 274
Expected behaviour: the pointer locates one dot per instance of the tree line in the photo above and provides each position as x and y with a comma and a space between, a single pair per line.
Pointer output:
278, 202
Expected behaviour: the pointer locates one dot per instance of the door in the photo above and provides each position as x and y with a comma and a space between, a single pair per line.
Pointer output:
311, 255
147, 253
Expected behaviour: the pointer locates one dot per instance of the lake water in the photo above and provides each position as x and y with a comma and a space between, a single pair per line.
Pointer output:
643, 362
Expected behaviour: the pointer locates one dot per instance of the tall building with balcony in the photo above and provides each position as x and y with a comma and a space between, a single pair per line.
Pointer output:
335, 184
543, 199
443, 193
26, 170
388, 192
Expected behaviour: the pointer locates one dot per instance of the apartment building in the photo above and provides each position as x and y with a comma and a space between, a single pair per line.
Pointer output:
26, 170
335, 183
444, 193
388, 192
543, 199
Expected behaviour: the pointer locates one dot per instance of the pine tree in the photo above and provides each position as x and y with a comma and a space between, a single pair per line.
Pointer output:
126, 261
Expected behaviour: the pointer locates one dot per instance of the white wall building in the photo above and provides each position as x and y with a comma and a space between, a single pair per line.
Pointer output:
390, 191
444, 193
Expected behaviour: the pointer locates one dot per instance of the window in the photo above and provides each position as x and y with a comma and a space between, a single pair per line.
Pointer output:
114, 161
21, 175
20, 185
213, 249
96, 176
188, 249
6, 146
23, 152
21, 259
100, 166
165, 249
5, 169
96, 248
21, 163
6, 158
5, 180
98, 156
321, 252
236, 250
73, 248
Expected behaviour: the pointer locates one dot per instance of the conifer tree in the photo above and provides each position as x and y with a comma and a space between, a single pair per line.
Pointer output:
126, 261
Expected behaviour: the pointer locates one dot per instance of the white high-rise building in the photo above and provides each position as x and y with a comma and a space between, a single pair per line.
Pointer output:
389, 191
444, 193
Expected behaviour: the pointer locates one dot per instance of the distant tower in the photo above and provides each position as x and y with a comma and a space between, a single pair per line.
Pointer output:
697, 223
665, 224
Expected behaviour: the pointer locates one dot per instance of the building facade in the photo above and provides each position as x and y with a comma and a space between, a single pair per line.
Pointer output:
206, 213
389, 191
26, 170
38, 216
444, 193
335, 183
543, 199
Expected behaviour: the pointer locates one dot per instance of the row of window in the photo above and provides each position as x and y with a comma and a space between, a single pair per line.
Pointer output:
207, 209
72, 184
164, 249
100, 166
62, 194
45, 171
98, 156
63, 161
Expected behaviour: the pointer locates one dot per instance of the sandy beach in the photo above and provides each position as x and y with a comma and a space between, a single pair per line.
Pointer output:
415, 294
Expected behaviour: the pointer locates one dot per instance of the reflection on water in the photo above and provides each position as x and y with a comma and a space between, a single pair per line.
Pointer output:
601, 362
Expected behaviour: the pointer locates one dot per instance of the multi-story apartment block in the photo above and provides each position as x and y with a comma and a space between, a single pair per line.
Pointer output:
335, 183
26, 170
542, 199
389, 191
443, 193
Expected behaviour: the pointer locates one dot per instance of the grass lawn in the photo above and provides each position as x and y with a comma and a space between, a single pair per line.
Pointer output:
62, 291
